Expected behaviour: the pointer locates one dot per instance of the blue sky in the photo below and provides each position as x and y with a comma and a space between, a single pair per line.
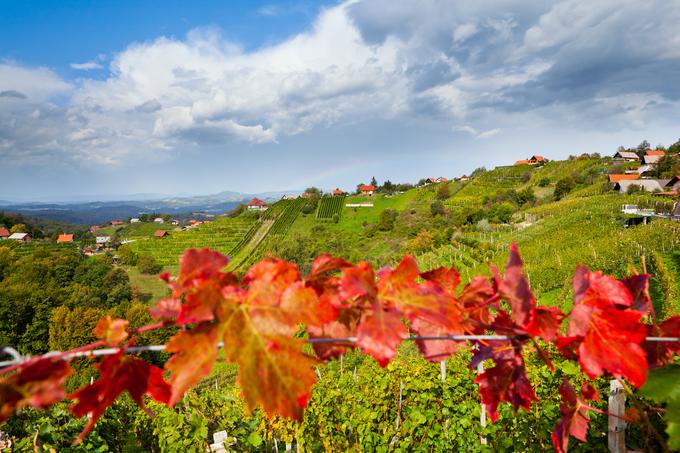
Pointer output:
198, 97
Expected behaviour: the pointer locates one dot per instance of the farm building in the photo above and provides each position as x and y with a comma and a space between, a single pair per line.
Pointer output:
101, 241
651, 159
135, 220
158, 220
4, 234
648, 185
535, 160
655, 152
116, 222
161, 234
522, 162
367, 189
616, 178
94, 228
627, 156
64, 238
21, 237
257, 205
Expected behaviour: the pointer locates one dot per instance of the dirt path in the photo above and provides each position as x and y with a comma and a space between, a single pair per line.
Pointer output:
254, 242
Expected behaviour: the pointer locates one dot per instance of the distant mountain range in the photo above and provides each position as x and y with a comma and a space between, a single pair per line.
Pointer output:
99, 212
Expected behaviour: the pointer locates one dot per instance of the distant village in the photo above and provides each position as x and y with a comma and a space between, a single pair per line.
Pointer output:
633, 171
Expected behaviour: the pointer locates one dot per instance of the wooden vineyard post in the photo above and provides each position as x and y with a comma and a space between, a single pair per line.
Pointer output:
616, 435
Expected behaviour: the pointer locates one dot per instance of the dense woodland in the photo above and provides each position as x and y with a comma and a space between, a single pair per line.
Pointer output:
560, 215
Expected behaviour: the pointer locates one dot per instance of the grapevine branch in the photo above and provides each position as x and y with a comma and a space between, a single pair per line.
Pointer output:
256, 321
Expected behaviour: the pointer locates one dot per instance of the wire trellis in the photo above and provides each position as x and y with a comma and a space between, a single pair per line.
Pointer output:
18, 358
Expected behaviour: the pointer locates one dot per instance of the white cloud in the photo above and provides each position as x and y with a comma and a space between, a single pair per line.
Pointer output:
36, 84
87, 66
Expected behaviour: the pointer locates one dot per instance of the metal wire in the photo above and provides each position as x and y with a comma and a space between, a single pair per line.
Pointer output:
17, 358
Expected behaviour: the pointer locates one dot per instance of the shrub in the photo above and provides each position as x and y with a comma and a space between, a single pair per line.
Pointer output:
544, 182
564, 186
147, 265
437, 208
126, 255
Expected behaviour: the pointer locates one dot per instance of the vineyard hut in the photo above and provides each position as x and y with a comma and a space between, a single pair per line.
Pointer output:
367, 189
20, 237
648, 185
626, 156
257, 205
158, 220
134, 220
4, 234
522, 162
338, 193
160, 233
64, 238
101, 241
651, 159
116, 222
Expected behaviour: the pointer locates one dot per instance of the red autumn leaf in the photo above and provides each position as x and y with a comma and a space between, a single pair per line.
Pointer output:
605, 333
358, 282
638, 286
475, 299
344, 326
326, 263
660, 353
119, 373
274, 372
380, 333
195, 352
545, 323
112, 331
166, 309
201, 302
514, 289
196, 265
506, 381
38, 383
447, 278
574, 421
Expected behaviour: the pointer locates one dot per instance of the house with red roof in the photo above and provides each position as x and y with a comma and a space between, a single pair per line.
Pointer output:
116, 222
522, 162
4, 234
535, 160
160, 234
64, 238
367, 189
257, 205
620, 177
338, 193
655, 152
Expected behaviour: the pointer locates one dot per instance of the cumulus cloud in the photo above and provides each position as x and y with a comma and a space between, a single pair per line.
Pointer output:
87, 66
467, 65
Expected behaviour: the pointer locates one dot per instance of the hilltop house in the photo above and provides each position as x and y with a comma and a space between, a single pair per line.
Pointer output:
64, 238
158, 220
134, 220
441, 179
338, 193
535, 160
616, 178
522, 162
626, 156
367, 189
21, 237
116, 222
648, 185
160, 233
4, 234
257, 205
463, 178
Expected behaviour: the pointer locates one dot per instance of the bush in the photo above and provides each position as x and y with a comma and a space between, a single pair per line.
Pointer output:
437, 208
126, 255
336, 218
147, 265
544, 182
564, 186
443, 192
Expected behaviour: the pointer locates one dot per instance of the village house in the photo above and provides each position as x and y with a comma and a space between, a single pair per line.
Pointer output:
102, 241
674, 184
161, 233
64, 238
614, 178
158, 220
655, 152
174, 222
441, 179
535, 160
522, 162
463, 178
367, 189
4, 234
307, 195
651, 159
21, 237
648, 185
626, 156
116, 222
338, 193
134, 220
94, 228
257, 205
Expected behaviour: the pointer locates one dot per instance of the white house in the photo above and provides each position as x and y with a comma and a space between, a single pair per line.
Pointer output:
158, 220
134, 220
257, 205
102, 240
21, 237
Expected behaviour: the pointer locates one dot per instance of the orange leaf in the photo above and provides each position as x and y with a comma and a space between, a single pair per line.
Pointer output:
113, 331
